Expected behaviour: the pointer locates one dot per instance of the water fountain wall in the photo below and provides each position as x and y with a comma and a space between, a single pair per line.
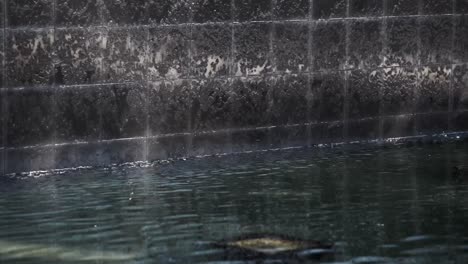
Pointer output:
93, 82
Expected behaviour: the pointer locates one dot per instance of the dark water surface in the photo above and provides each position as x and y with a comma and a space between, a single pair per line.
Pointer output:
395, 205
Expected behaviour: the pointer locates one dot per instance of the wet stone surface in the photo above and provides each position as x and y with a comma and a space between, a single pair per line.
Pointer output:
78, 115
252, 54
433, 88
325, 9
398, 88
366, 44
328, 89
78, 13
126, 55
23, 13
461, 40
124, 111
211, 51
169, 11
2, 58
364, 93
402, 7
27, 107
328, 45
2, 15
252, 10
287, 9
460, 94
170, 107
211, 104
251, 103
212, 11
289, 99
30, 56
430, 7
402, 42
363, 8
461, 7
291, 47
436, 40
81, 56
124, 12
168, 52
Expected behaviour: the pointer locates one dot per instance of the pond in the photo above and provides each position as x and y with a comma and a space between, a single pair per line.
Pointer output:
399, 204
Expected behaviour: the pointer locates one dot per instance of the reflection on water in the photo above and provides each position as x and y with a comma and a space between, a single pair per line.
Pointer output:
397, 205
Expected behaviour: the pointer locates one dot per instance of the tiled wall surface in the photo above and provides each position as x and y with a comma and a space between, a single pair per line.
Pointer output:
92, 82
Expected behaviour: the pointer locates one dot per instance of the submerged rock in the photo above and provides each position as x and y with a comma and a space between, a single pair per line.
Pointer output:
273, 247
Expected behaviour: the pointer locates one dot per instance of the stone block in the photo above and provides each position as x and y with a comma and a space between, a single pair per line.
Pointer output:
363, 130
436, 40
365, 8
460, 54
170, 107
329, 92
124, 111
124, 12
251, 102
460, 87
212, 11
291, 47
168, 147
81, 57
399, 126
291, 10
29, 60
398, 88
211, 104
168, 55
461, 7
169, 11
78, 114
433, 89
78, 13
30, 159
289, 98
402, 7
27, 13
433, 7
329, 45
252, 54
252, 10
126, 55
30, 117
366, 44
402, 42
211, 50
325, 9
364, 94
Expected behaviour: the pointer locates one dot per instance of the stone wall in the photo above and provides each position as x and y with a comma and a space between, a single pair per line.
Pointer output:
93, 82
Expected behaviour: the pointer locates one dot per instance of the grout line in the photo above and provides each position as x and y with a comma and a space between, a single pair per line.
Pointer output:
232, 130
4, 98
309, 69
248, 77
384, 38
452, 75
418, 65
147, 91
346, 74
231, 66
190, 125
313, 21
55, 63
